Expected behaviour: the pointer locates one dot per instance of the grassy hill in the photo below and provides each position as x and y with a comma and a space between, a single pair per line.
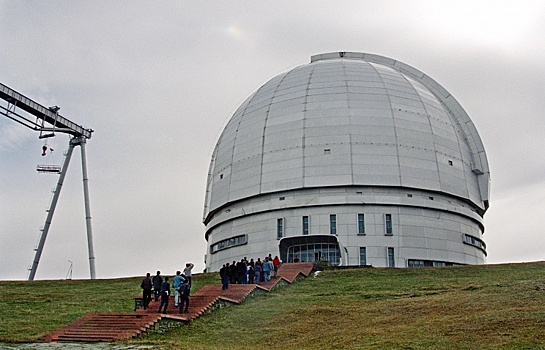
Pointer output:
469, 307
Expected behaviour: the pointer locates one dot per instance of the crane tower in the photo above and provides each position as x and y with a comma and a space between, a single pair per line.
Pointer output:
48, 121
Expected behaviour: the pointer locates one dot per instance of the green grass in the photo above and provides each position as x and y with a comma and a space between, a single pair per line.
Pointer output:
470, 307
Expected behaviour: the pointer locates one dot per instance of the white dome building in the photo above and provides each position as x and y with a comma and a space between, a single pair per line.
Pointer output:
355, 158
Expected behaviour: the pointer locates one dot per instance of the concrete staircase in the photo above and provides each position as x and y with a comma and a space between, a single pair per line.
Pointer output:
103, 327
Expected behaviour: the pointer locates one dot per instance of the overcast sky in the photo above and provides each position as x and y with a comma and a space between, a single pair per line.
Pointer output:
158, 81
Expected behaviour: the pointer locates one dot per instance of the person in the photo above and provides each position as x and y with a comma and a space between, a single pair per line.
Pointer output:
157, 281
176, 283
251, 274
224, 275
260, 263
276, 264
185, 289
187, 272
267, 268
257, 271
165, 294
233, 273
146, 286
241, 271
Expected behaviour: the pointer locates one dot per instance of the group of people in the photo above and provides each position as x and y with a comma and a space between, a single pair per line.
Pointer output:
249, 272
181, 283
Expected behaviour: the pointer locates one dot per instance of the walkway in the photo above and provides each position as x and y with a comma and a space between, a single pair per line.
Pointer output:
110, 327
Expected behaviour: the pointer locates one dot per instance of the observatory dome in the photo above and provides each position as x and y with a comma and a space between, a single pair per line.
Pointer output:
353, 156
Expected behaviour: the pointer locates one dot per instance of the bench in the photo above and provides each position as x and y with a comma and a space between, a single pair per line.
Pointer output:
138, 303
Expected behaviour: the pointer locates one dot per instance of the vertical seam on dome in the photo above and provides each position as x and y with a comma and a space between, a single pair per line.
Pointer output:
393, 121
350, 153
266, 120
303, 136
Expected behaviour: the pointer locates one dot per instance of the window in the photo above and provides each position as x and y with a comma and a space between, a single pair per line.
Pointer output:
429, 263
388, 224
361, 224
279, 228
305, 225
333, 224
363, 256
391, 259
476, 242
228, 243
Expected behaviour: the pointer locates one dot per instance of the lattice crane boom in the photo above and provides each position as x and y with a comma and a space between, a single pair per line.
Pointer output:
49, 115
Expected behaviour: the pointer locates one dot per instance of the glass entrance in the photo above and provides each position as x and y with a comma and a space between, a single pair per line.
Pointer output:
310, 248
312, 252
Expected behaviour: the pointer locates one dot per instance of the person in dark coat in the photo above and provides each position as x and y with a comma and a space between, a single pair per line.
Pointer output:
184, 290
233, 273
251, 274
241, 271
165, 295
157, 281
224, 275
146, 286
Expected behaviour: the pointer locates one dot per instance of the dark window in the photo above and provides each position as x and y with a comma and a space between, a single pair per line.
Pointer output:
228, 243
361, 224
388, 224
429, 263
333, 224
305, 225
391, 258
363, 256
476, 242
279, 228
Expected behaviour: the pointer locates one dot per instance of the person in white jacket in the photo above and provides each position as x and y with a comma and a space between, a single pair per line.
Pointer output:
187, 272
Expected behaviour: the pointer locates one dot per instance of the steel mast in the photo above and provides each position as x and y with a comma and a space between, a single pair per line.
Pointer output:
79, 136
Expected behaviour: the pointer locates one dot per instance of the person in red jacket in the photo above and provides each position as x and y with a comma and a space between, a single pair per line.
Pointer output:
276, 264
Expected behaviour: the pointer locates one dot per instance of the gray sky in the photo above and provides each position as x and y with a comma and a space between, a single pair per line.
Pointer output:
158, 81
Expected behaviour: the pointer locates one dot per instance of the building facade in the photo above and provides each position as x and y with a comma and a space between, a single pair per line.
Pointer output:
356, 159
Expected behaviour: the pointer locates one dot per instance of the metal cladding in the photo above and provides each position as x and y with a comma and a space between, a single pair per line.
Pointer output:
355, 158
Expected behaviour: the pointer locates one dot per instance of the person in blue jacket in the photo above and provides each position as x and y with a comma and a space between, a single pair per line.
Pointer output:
176, 283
